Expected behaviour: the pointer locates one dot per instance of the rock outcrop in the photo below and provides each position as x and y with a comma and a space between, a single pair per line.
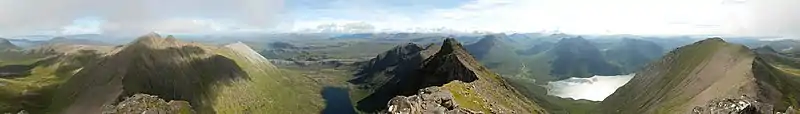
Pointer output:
741, 105
148, 104
431, 100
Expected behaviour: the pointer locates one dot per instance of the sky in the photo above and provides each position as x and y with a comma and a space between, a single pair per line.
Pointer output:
645, 17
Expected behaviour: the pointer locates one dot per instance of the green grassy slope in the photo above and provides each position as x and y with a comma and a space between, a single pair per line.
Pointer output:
781, 73
695, 74
32, 91
230, 79
660, 85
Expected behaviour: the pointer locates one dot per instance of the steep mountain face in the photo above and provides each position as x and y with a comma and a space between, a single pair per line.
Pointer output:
402, 60
453, 69
497, 53
228, 79
7, 45
633, 54
694, 77
577, 57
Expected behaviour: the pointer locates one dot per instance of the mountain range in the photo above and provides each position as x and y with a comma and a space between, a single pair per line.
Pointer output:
422, 73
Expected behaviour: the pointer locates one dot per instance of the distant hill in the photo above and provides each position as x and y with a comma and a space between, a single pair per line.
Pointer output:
75, 41
5, 44
577, 57
710, 76
228, 79
633, 54
537, 48
473, 86
496, 53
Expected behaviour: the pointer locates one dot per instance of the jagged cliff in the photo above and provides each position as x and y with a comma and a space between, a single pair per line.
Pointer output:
453, 69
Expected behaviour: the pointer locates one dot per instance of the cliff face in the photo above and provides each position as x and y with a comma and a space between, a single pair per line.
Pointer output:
453, 69
227, 79
697, 75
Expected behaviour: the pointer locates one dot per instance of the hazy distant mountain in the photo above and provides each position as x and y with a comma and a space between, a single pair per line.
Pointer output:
577, 57
75, 41
453, 69
496, 53
633, 54
7, 45
710, 76
537, 48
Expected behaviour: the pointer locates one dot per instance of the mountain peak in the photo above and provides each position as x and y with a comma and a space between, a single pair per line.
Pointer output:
154, 40
449, 46
693, 75
5, 44
489, 40
453, 69
4, 41
452, 56
171, 38
711, 40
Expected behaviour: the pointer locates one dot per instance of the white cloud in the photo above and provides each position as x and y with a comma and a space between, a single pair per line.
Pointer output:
652, 17
595, 88
778, 17
134, 16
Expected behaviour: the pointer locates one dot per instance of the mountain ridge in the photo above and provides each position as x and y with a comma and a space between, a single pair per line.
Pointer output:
695, 75
212, 79
453, 69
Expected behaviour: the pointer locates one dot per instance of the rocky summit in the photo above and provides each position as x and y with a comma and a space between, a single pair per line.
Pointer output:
451, 69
